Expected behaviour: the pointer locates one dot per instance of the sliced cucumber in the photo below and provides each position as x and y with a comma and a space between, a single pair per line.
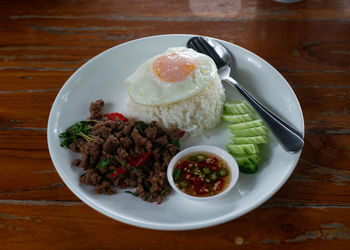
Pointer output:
248, 130
245, 125
242, 149
254, 158
260, 139
239, 118
237, 107
234, 101
247, 165
262, 130
248, 168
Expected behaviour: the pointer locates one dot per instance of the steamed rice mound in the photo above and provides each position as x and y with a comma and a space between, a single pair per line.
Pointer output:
193, 115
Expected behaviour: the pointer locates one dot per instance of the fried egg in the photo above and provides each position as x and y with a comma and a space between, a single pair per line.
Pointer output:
173, 76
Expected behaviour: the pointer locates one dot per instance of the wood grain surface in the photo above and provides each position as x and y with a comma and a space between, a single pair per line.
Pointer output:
43, 42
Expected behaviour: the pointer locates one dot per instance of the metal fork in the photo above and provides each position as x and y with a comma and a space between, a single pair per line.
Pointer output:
288, 136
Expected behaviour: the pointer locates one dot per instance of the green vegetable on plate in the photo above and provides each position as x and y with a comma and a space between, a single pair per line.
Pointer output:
79, 129
248, 131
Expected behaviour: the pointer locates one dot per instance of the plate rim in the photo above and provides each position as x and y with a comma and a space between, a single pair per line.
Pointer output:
155, 225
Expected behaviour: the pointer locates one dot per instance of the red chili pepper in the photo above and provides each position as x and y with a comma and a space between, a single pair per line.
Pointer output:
214, 167
115, 115
219, 184
119, 171
183, 165
202, 164
141, 159
196, 189
200, 190
180, 166
182, 133
183, 175
196, 180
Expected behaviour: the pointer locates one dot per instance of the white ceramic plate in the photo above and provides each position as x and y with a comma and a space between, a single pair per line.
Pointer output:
103, 77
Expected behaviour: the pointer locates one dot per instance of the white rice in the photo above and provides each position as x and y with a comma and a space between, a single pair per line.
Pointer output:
193, 115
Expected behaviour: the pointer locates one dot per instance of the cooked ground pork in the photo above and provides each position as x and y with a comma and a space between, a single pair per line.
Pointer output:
96, 108
126, 153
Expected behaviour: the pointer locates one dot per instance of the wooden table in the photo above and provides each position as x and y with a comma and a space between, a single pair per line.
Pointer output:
43, 42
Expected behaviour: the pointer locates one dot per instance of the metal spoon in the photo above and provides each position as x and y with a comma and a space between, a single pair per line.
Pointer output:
288, 136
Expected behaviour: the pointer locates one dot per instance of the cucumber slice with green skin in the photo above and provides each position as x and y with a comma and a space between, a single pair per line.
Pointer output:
247, 163
240, 118
256, 148
242, 149
253, 158
234, 101
237, 107
248, 130
247, 159
245, 125
262, 130
247, 166
260, 139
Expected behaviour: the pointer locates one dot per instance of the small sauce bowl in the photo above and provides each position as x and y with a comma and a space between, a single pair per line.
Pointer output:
206, 150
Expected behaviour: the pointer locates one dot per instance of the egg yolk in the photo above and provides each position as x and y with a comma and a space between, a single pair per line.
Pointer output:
173, 67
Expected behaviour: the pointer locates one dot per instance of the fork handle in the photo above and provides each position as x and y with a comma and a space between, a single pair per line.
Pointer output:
288, 136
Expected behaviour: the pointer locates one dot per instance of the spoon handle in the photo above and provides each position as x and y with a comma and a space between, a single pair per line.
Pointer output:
288, 136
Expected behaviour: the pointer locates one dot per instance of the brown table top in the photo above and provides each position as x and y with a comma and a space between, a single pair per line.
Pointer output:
44, 42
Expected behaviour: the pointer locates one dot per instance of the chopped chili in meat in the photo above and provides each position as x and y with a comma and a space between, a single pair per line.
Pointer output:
119, 171
115, 115
141, 159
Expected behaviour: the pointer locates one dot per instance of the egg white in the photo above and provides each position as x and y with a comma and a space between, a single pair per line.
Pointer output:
148, 89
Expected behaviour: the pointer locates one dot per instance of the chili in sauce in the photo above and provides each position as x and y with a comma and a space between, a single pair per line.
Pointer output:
202, 175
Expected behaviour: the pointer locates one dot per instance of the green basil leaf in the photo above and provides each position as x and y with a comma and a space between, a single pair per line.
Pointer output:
138, 127
64, 135
147, 196
164, 190
104, 163
176, 143
78, 129
129, 192
123, 163
65, 143
70, 129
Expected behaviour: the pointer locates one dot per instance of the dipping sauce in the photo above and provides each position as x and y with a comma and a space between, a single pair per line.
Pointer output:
202, 174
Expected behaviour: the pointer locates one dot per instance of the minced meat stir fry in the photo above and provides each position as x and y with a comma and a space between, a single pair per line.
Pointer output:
121, 152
